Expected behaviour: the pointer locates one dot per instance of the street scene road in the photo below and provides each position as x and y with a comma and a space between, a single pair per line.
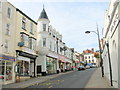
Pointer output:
77, 79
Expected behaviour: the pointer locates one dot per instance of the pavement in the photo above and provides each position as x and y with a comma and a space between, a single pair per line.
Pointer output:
33, 81
96, 81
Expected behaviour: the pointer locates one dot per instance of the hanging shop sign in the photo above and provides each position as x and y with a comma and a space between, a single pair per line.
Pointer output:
4, 57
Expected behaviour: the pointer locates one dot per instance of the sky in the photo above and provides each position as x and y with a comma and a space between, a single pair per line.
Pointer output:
71, 18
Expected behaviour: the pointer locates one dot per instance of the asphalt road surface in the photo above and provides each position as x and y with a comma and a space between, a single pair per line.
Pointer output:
77, 79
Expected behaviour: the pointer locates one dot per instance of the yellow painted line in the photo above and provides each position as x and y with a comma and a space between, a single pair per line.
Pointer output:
50, 86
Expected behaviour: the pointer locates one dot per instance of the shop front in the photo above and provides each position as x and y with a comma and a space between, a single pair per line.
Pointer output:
51, 65
7, 74
68, 66
26, 65
62, 63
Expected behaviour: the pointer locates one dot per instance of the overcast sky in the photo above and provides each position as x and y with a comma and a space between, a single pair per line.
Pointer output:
71, 18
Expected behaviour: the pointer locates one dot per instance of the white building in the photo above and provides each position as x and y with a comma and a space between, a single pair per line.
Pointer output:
111, 48
51, 48
89, 58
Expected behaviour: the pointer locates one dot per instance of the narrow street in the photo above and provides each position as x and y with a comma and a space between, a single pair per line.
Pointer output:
77, 79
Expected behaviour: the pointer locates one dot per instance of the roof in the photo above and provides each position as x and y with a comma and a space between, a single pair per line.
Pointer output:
26, 15
43, 14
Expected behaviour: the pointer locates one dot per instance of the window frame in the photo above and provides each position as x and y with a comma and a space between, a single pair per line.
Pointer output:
7, 29
9, 12
44, 27
23, 23
44, 42
31, 28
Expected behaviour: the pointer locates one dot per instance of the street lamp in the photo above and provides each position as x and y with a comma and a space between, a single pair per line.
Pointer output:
87, 32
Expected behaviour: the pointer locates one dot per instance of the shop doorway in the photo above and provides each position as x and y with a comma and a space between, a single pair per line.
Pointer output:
39, 69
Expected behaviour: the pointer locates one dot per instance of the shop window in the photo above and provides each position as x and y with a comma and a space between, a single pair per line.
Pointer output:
2, 69
23, 68
6, 70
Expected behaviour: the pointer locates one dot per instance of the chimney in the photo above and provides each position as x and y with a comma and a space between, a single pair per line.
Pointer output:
92, 49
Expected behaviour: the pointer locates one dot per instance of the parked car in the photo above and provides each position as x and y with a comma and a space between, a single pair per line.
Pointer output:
81, 68
90, 64
87, 66
94, 65
1, 77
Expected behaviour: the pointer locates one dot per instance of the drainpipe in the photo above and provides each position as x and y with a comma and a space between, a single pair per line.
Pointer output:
110, 68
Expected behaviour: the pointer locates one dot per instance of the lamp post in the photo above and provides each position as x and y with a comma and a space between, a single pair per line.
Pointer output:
101, 64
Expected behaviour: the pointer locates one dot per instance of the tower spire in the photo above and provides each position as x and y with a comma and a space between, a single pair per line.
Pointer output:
43, 6
43, 14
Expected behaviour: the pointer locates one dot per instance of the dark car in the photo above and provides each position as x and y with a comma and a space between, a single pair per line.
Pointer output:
81, 68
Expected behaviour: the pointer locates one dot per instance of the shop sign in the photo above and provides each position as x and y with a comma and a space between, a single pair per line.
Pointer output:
23, 58
61, 58
29, 51
4, 57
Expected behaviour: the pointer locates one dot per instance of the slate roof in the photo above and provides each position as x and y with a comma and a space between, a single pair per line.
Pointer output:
43, 14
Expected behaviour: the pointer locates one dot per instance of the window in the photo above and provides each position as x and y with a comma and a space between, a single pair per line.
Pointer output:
30, 43
50, 45
34, 44
7, 29
89, 57
93, 61
6, 70
31, 28
24, 38
92, 56
0, 4
23, 23
89, 61
23, 67
44, 42
8, 12
6, 46
85, 57
44, 27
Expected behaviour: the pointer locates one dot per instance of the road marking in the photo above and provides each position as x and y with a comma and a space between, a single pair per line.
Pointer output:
50, 86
